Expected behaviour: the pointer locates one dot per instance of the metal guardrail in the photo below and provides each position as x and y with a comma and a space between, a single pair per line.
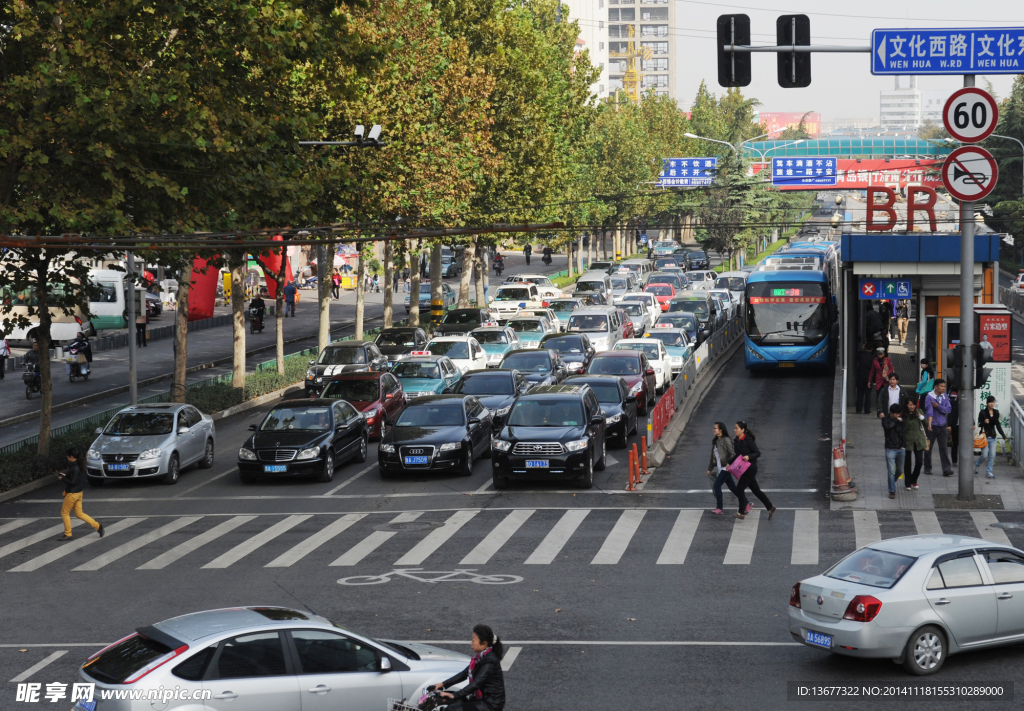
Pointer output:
709, 351
1013, 299
1017, 433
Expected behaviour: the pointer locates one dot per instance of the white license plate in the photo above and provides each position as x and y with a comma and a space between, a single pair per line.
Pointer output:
273, 468
819, 640
536, 463
119, 467
417, 460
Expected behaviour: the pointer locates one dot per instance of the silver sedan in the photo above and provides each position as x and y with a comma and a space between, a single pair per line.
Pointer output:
915, 600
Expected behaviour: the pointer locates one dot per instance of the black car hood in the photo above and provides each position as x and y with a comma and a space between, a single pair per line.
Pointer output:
496, 402
424, 435
539, 377
544, 434
329, 370
286, 438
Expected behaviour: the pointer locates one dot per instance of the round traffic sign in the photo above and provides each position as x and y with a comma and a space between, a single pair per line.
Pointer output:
970, 115
970, 173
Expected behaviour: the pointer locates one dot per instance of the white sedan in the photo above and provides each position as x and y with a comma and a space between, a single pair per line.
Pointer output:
657, 355
702, 280
465, 352
545, 286
546, 312
648, 300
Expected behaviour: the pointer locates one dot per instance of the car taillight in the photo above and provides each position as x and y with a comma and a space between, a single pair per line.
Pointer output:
794, 596
156, 664
863, 608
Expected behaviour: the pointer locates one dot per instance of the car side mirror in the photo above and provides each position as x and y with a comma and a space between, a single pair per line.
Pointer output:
253, 428
630, 398
389, 396
312, 362
98, 431
182, 430
649, 371
385, 664
474, 420
597, 420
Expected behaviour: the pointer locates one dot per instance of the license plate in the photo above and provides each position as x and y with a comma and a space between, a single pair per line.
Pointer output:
819, 640
85, 706
787, 365
272, 468
417, 460
119, 467
536, 463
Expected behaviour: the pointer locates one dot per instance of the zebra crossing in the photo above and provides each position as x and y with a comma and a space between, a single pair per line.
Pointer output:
477, 537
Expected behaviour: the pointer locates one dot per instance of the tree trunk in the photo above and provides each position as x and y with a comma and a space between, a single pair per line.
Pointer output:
360, 294
481, 273
238, 269
45, 373
414, 287
436, 295
389, 283
282, 275
484, 260
181, 334
466, 280
324, 272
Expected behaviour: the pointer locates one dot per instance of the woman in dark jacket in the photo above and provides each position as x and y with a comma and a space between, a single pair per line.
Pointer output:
722, 454
746, 447
917, 442
486, 688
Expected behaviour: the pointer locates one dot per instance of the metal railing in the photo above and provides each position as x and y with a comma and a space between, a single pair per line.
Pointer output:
1017, 433
1013, 299
711, 349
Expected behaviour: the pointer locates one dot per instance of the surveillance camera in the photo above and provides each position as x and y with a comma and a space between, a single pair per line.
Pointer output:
359, 131
375, 132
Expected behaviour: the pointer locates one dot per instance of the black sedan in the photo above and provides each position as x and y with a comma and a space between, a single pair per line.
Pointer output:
553, 433
618, 406
495, 389
443, 433
344, 357
461, 321
574, 349
303, 438
395, 342
541, 366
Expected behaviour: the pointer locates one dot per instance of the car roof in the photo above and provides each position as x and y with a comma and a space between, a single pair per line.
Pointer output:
197, 625
422, 358
545, 351
587, 378
741, 275
618, 354
563, 389
437, 398
917, 546
348, 344
446, 339
690, 295
630, 340
401, 329
169, 407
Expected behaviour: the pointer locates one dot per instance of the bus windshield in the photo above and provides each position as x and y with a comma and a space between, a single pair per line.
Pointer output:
779, 313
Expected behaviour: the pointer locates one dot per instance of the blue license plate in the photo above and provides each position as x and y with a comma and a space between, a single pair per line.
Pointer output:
85, 706
417, 460
119, 467
274, 468
819, 640
536, 463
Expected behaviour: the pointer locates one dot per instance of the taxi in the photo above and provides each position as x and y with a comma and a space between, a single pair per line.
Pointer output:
423, 373
662, 292
677, 342
657, 356
544, 311
563, 307
464, 351
496, 341
531, 329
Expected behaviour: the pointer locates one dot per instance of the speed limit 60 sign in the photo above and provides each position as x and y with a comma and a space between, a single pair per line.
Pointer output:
970, 115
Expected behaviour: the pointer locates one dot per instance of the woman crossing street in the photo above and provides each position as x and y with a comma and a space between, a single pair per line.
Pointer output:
722, 453
745, 445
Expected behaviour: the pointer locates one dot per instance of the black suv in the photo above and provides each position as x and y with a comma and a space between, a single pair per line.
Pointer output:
554, 432
344, 357
461, 321
696, 260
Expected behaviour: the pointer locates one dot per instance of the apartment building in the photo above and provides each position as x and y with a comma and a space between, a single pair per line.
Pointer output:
909, 107
591, 17
650, 22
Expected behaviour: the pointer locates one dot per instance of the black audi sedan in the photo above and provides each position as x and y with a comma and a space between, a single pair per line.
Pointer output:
541, 366
343, 357
441, 433
554, 432
495, 389
617, 404
303, 438
395, 342
574, 349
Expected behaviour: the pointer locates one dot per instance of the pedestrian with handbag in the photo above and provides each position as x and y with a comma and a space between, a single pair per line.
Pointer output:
916, 441
988, 425
72, 478
747, 454
722, 453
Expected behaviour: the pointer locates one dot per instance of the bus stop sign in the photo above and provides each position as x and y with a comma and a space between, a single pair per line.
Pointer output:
877, 289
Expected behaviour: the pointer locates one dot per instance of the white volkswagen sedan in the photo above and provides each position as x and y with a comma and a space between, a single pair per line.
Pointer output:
656, 353
464, 351
915, 600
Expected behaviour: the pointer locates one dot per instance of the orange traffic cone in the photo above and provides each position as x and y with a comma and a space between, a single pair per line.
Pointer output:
842, 487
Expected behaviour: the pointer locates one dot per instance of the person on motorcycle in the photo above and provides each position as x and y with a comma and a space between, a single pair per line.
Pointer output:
81, 346
485, 690
499, 263
261, 308
547, 255
32, 359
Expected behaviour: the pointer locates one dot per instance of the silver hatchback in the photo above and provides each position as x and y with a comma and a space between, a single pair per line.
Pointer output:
915, 599
149, 441
262, 659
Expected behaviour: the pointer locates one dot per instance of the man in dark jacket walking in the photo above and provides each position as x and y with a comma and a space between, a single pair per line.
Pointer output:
895, 445
892, 395
863, 371
73, 489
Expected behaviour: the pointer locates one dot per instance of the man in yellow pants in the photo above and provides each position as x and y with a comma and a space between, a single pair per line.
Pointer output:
72, 478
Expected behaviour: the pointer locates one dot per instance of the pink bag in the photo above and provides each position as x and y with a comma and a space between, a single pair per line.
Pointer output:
737, 467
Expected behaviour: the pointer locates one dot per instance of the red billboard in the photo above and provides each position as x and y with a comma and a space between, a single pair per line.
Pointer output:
872, 172
773, 121
995, 332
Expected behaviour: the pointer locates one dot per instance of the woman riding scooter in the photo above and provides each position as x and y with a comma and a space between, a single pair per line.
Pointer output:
81, 357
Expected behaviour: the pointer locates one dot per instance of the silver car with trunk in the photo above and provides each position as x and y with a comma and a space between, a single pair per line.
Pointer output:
915, 599
151, 441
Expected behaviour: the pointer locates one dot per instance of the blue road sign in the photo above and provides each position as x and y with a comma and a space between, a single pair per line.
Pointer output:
985, 50
885, 289
687, 172
813, 172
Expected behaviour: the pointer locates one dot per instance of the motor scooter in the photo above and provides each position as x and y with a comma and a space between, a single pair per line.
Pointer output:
499, 266
31, 379
75, 369
255, 321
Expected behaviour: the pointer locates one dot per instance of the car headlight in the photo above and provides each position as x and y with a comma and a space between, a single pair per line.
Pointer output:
150, 454
93, 454
573, 366
754, 353
613, 419
310, 453
494, 357
247, 454
501, 445
576, 445
310, 374
370, 416
636, 389
451, 446
389, 448
502, 412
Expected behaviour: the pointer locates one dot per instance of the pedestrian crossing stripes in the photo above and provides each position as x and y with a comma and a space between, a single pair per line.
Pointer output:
479, 537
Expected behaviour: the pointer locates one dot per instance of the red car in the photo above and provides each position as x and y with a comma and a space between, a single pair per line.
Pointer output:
662, 292
627, 325
634, 368
378, 395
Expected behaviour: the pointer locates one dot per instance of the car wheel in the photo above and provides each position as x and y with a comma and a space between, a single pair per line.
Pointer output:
467, 465
247, 478
925, 652
96, 481
361, 454
500, 482
207, 461
587, 481
603, 461
328, 473
173, 470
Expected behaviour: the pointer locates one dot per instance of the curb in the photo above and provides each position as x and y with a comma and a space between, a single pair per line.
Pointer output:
26, 488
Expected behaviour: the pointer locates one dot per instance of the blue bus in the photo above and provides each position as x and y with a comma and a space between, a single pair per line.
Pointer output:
791, 320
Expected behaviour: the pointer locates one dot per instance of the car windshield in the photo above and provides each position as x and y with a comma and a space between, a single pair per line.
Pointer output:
651, 349
416, 370
122, 660
666, 244
588, 322
565, 344
546, 413
486, 384
523, 325
634, 309
462, 316
599, 266
613, 365
424, 289
867, 566
607, 392
458, 350
662, 263
730, 283
563, 306
589, 285
642, 298
140, 424
659, 290
619, 282
512, 294
690, 306
669, 338
679, 320
539, 281
433, 414
697, 256
316, 418
538, 362
393, 338
490, 337
341, 356
363, 390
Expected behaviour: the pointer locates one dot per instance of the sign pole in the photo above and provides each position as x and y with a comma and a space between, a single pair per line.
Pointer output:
965, 468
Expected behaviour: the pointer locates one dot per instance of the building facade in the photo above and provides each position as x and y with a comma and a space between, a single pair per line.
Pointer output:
591, 16
910, 107
650, 22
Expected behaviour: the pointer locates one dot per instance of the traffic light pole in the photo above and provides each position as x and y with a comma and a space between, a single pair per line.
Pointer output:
965, 467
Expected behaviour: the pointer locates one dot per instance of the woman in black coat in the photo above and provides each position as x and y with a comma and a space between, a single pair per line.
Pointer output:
486, 688
745, 446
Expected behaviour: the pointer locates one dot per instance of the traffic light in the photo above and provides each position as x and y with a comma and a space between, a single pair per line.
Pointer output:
981, 357
794, 67
733, 67
953, 367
